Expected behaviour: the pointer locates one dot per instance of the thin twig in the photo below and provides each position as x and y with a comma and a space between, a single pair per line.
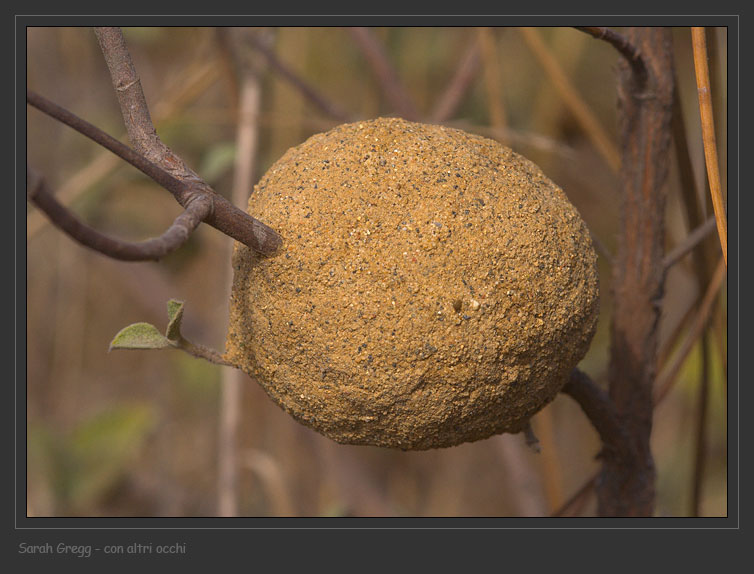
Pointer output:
572, 99
668, 378
492, 79
308, 91
689, 188
248, 78
665, 381
628, 50
700, 450
451, 98
152, 249
689, 243
699, 44
225, 217
179, 189
704, 274
601, 248
202, 352
577, 497
601, 413
174, 98
385, 73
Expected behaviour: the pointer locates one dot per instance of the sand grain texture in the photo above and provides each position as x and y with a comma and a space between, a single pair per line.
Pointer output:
434, 286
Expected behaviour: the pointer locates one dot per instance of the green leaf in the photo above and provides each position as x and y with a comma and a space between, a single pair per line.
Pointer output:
139, 336
175, 315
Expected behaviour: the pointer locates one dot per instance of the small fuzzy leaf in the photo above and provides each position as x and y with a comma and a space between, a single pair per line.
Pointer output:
175, 315
139, 336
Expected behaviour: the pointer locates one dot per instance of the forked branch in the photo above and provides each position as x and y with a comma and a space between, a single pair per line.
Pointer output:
156, 160
225, 216
600, 411
176, 235
627, 49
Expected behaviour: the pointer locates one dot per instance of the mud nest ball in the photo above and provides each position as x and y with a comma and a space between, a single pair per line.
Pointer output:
434, 287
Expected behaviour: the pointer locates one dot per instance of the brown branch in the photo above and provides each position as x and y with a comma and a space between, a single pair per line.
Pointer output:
179, 189
152, 249
451, 98
690, 192
645, 112
627, 49
225, 216
666, 381
239, 43
385, 73
708, 135
571, 97
309, 92
689, 243
601, 412
202, 352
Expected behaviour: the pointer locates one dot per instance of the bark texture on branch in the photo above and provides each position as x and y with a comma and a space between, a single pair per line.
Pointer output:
626, 484
174, 237
225, 216
600, 411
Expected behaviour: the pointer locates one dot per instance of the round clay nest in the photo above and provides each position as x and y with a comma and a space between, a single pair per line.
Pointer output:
434, 287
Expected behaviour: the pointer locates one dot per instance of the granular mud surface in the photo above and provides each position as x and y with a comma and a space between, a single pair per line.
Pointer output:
434, 287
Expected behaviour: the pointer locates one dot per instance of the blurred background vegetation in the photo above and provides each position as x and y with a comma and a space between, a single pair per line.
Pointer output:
135, 433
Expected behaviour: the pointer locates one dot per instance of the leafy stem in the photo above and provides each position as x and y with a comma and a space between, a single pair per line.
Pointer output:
147, 336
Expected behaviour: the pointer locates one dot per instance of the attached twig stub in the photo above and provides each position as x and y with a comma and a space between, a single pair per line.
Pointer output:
601, 413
